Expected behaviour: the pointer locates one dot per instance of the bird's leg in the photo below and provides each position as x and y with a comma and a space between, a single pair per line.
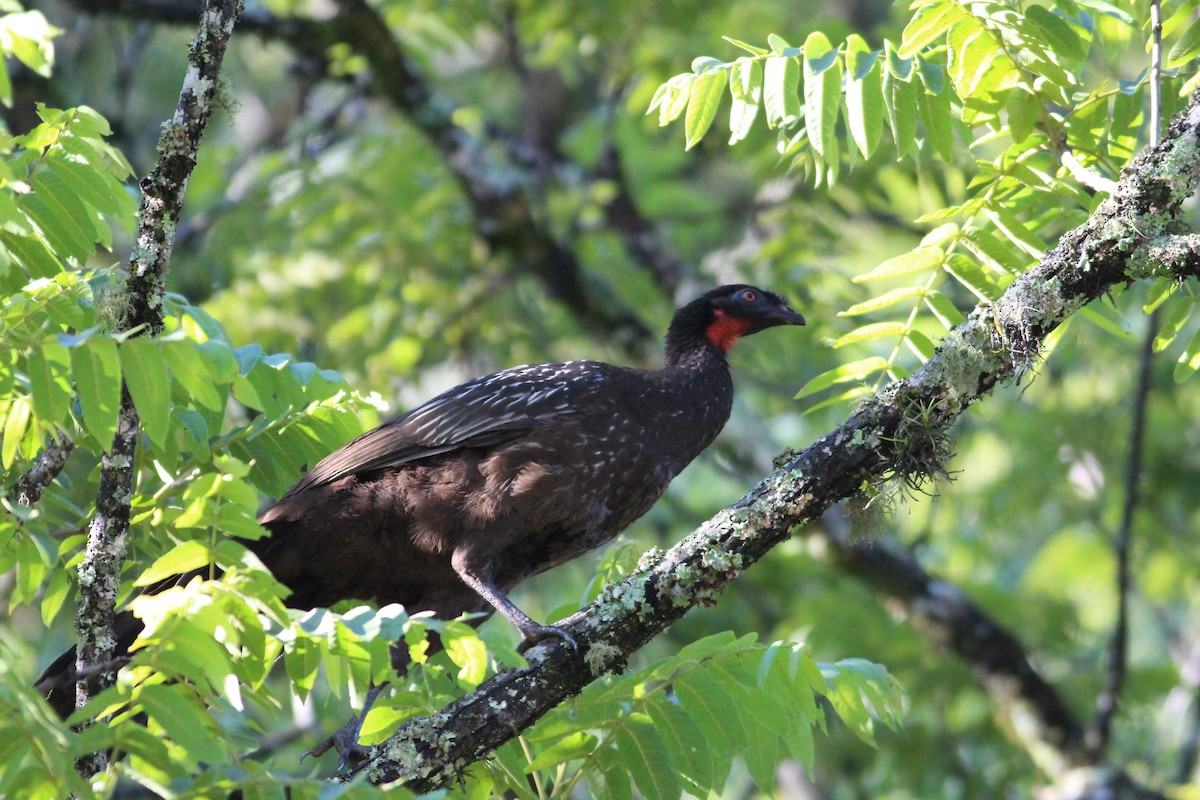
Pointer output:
531, 632
345, 739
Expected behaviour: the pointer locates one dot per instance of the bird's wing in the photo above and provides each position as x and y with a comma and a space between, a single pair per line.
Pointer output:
483, 412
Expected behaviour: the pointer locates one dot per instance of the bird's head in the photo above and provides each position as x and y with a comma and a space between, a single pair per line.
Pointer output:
722, 316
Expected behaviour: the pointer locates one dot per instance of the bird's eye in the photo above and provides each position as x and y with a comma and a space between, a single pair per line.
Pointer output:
749, 296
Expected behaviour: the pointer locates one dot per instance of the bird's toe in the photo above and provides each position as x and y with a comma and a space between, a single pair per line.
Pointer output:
540, 633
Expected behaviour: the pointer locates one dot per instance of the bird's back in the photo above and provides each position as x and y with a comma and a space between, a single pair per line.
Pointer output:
531, 466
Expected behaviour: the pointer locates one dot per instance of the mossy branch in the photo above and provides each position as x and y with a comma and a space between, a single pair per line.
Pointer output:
899, 433
139, 305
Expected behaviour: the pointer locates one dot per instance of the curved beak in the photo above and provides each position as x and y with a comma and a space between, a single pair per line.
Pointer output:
784, 316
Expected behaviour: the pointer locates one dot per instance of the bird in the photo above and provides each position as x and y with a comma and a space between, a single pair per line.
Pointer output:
448, 507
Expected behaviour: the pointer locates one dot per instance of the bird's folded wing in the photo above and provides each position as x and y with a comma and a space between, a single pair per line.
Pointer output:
484, 412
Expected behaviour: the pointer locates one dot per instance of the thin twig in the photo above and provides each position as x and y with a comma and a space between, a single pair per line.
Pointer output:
1100, 728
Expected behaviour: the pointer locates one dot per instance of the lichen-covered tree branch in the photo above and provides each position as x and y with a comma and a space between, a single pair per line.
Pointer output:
138, 310
900, 434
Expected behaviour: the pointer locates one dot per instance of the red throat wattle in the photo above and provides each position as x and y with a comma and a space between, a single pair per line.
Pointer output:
724, 330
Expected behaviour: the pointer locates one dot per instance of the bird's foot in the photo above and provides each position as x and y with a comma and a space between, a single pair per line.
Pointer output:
351, 755
536, 634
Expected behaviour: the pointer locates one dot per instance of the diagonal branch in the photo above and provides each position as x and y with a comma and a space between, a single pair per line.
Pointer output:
162, 202
897, 435
42, 474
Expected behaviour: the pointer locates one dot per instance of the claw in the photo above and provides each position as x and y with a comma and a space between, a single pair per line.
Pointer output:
536, 634
351, 755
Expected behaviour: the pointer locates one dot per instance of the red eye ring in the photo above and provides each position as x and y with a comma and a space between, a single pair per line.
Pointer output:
748, 296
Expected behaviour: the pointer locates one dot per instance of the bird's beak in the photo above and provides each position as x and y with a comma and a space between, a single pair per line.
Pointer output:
785, 316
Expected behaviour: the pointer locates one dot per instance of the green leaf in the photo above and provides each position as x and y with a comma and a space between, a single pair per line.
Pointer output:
712, 709
49, 370
184, 723
749, 48
927, 25
844, 373
1189, 360
574, 746
16, 422
876, 330
98, 381
1177, 314
675, 98
762, 756
189, 369
612, 781
972, 277
882, 301
822, 92
923, 258
777, 44
1055, 31
702, 105
146, 377
645, 755
689, 752
1016, 231
97, 188
920, 344
55, 594
67, 214
1107, 9
1109, 321
182, 558
33, 254
781, 79
944, 310
745, 87
900, 97
864, 96
936, 115
1187, 48
992, 251
1024, 111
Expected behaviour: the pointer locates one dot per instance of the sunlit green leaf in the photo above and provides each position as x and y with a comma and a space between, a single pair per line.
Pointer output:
98, 381
843, 373
745, 87
923, 258
864, 95
146, 376
882, 301
706, 94
928, 24
822, 92
781, 79
876, 330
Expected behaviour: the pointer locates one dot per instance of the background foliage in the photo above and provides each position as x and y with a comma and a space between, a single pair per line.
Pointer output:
892, 170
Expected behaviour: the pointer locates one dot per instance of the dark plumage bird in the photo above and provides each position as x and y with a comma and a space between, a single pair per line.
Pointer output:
448, 507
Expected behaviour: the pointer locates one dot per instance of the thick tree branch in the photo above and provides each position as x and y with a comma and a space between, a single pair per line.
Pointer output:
898, 434
162, 202
51, 462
